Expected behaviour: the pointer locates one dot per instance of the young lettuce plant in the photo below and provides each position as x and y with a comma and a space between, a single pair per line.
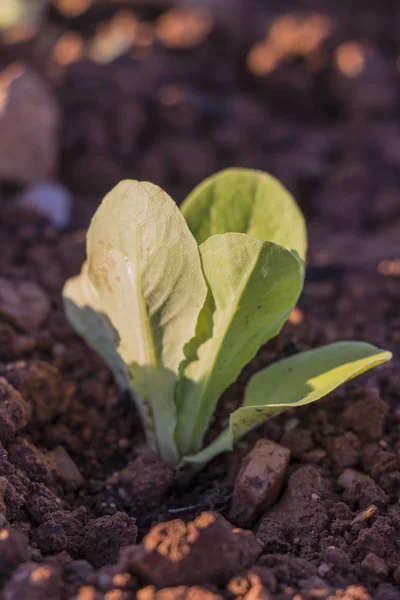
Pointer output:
177, 302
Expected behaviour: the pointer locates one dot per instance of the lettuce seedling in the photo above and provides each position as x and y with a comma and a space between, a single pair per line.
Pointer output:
177, 302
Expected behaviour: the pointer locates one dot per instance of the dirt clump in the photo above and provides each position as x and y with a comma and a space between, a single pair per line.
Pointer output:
207, 549
61, 530
42, 386
14, 412
104, 537
146, 478
344, 451
367, 416
303, 503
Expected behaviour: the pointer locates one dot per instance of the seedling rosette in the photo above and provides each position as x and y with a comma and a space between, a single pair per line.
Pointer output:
177, 302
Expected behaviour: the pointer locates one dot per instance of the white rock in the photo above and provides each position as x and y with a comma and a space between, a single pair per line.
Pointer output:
29, 127
51, 199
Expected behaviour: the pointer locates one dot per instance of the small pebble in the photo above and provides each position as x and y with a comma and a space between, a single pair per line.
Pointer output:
52, 199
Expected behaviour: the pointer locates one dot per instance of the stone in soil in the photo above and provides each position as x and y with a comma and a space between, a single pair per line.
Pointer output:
206, 550
51, 199
259, 482
29, 127
72, 477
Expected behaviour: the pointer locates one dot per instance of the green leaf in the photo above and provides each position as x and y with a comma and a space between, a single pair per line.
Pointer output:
294, 381
82, 308
144, 264
246, 201
253, 287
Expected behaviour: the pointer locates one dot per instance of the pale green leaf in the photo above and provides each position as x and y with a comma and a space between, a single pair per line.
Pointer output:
295, 381
246, 201
253, 287
144, 264
81, 304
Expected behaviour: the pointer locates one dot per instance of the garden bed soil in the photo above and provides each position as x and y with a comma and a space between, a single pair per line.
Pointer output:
86, 512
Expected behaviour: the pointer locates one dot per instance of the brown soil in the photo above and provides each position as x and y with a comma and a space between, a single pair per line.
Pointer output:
76, 484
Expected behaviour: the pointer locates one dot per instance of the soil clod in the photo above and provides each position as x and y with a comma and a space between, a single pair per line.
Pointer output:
206, 550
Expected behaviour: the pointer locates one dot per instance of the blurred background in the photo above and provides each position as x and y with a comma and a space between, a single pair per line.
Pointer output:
94, 91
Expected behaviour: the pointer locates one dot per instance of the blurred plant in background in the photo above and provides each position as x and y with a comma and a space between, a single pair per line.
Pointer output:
16, 13
173, 90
